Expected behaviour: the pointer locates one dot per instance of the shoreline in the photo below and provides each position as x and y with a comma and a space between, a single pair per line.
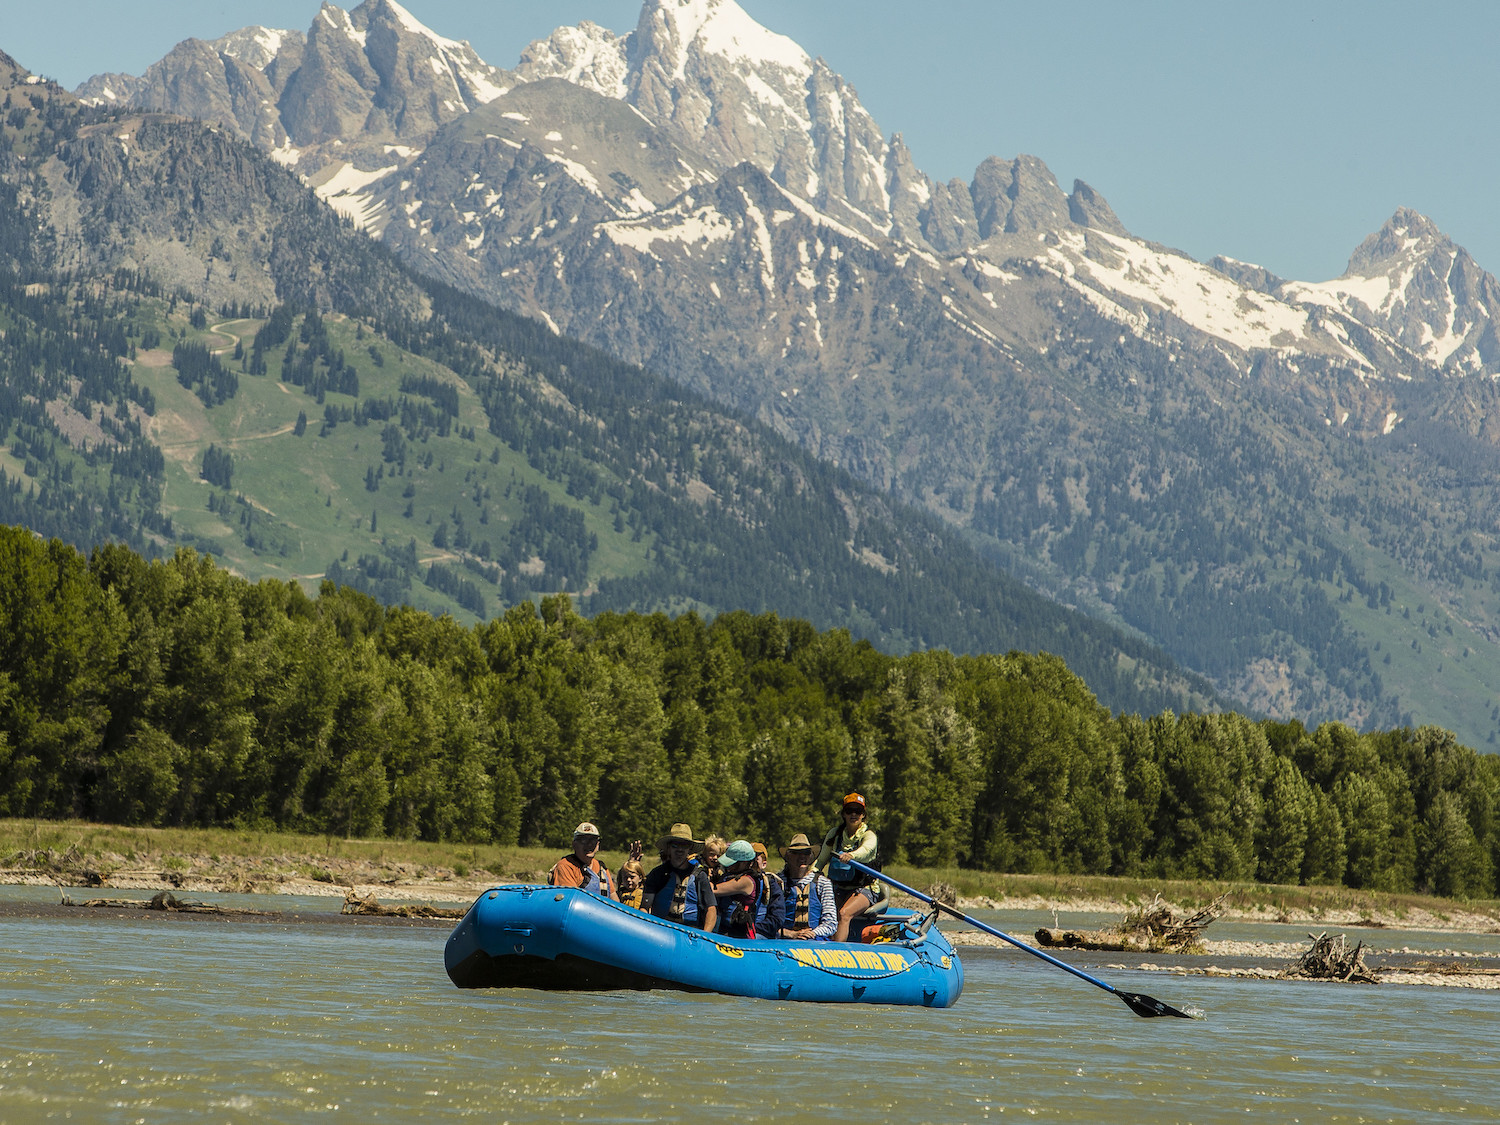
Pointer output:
1238, 959
407, 883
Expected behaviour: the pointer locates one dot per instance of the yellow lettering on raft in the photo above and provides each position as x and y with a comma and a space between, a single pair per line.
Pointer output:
729, 950
806, 957
895, 962
868, 959
836, 959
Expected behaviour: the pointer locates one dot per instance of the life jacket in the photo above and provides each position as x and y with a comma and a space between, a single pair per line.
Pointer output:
594, 878
683, 900
804, 906
770, 910
738, 913
844, 877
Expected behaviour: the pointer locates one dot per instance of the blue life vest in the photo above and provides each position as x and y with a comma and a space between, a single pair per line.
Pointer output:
814, 902
729, 912
770, 907
662, 904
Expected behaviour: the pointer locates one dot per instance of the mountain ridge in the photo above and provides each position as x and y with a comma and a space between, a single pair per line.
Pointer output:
1003, 353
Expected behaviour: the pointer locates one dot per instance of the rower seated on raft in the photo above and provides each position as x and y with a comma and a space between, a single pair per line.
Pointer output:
854, 840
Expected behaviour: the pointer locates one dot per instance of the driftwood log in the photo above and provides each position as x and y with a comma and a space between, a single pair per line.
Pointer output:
353, 904
163, 900
1154, 928
1332, 959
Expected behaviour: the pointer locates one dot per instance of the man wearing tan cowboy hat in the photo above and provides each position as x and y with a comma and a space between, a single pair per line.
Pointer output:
679, 890
582, 868
810, 912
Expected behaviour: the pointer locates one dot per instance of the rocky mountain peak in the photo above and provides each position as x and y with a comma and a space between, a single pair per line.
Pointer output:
586, 55
1413, 281
371, 74
1017, 195
673, 34
1088, 208
1405, 234
256, 46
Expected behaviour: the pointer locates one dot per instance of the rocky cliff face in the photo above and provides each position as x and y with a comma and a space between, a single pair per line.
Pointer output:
361, 90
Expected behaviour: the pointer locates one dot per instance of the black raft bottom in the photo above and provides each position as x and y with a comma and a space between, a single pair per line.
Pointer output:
568, 973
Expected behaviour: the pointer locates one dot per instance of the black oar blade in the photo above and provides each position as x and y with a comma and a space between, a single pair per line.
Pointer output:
1150, 1006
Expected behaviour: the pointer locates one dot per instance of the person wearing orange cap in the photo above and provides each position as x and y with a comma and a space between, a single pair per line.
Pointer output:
582, 868
852, 839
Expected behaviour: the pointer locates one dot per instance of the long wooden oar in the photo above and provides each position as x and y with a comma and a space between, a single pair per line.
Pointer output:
1137, 1002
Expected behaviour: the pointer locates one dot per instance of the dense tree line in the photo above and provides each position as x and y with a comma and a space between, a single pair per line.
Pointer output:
172, 692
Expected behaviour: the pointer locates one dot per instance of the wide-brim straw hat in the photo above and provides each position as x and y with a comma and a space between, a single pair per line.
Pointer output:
799, 843
680, 834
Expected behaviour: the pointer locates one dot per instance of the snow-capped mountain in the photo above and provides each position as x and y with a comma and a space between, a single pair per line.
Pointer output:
1413, 281
720, 83
354, 97
1162, 440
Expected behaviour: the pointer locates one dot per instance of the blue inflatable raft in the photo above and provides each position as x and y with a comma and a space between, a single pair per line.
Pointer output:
567, 939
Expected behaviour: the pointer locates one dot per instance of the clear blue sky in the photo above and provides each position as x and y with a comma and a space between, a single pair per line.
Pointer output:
1277, 132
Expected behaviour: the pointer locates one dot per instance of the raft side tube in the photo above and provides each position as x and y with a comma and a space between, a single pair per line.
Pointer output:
567, 939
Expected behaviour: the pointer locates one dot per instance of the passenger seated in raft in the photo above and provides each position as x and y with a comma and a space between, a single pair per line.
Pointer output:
679, 890
770, 905
630, 882
851, 839
713, 848
810, 911
738, 889
582, 868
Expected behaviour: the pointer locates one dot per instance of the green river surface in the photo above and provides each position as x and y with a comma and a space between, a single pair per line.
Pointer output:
137, 1016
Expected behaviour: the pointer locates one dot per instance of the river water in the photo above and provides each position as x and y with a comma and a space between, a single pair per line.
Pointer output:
162, 1019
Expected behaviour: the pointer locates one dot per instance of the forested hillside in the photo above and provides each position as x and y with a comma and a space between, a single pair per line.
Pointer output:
172, 692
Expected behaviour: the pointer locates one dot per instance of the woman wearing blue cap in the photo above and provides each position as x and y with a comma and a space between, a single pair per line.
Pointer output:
737, 890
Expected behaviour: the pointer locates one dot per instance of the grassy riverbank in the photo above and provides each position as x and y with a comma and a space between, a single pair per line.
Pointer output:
76, 853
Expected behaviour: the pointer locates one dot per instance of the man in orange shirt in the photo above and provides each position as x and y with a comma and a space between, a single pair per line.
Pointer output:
582, 868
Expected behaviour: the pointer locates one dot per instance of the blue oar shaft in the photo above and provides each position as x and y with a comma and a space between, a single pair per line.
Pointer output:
978, 925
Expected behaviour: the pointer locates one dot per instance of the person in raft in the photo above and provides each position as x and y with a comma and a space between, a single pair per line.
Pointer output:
629, 881
738, 890
679, 889
850, 839
582, 868
810, 911
770, 905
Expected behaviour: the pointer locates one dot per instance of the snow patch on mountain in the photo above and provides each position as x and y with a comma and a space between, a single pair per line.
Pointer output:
417, 27
723, 28
586, 55
339, 20
345, 192
254, 46
703, 225
1202, 297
